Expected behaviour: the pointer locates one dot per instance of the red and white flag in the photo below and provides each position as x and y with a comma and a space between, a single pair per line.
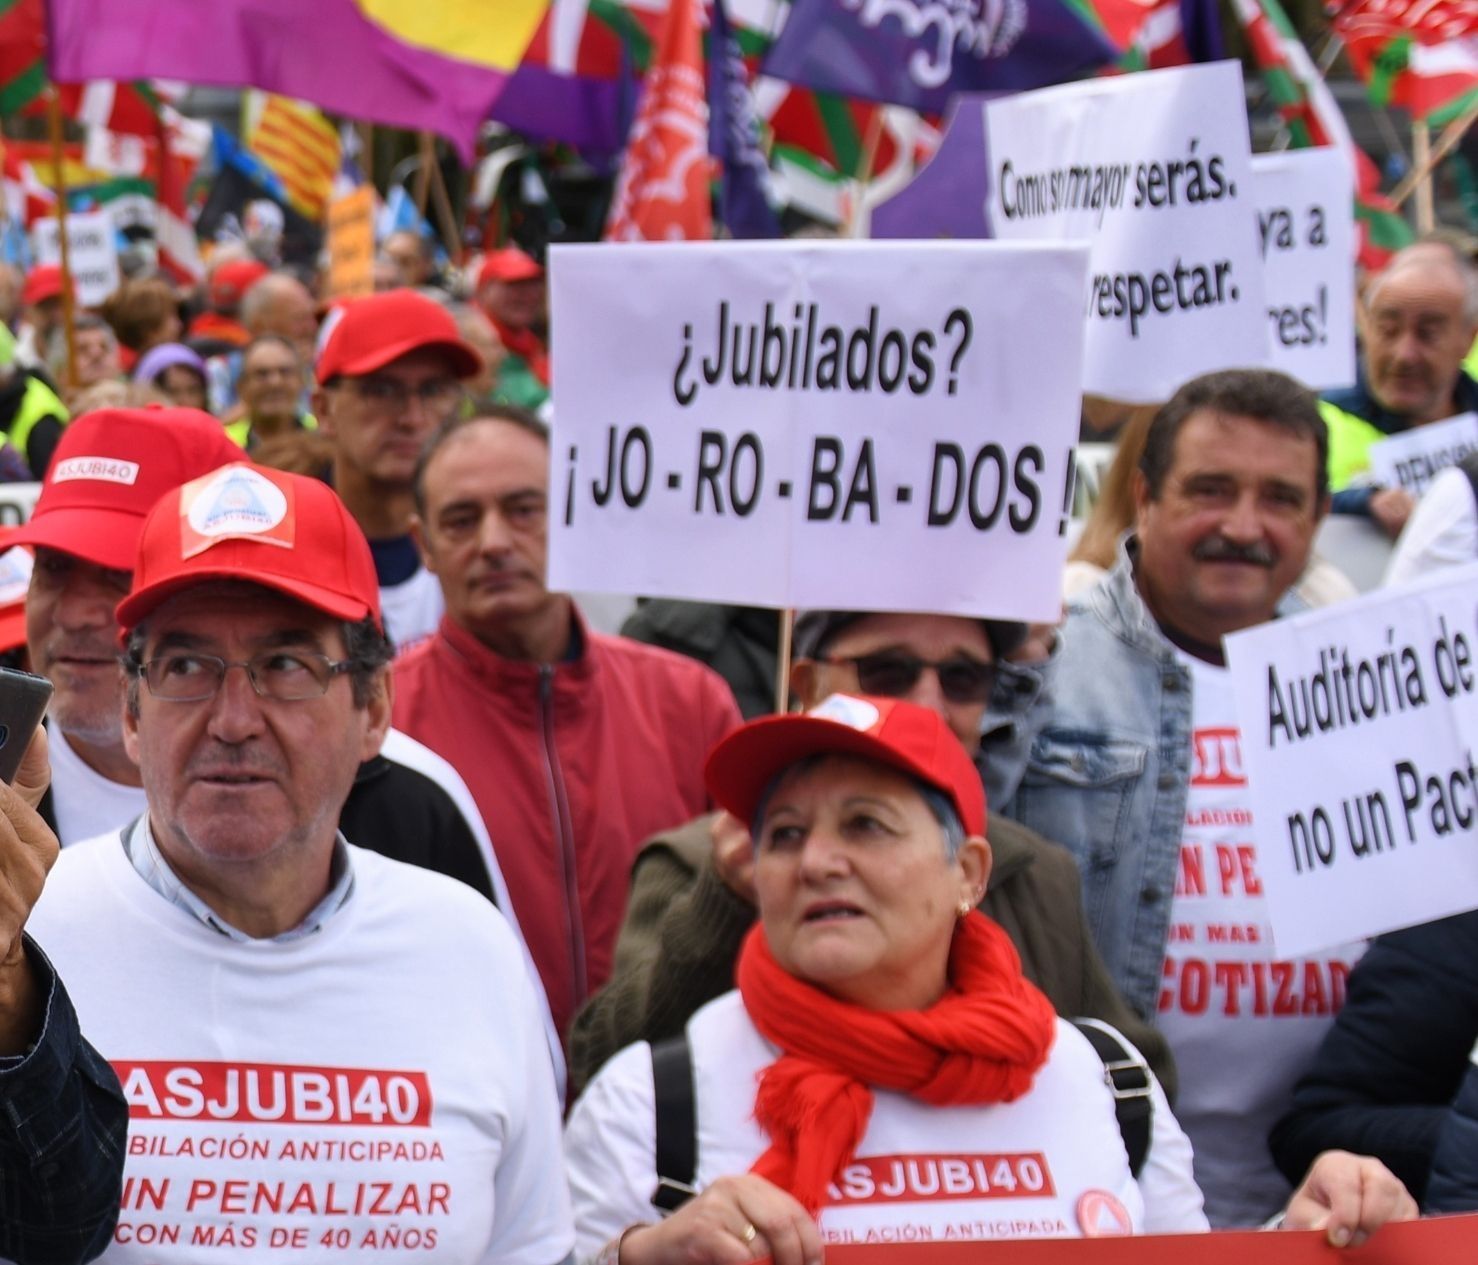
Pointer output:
662, 190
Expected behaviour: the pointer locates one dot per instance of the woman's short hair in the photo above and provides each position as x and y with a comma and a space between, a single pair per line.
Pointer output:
940, 805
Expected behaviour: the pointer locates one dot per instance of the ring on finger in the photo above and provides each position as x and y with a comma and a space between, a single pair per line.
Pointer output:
748, 1234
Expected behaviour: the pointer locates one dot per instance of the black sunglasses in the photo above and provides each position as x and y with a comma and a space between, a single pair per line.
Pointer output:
890, 674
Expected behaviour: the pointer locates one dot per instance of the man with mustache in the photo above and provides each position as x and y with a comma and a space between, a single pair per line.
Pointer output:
1139, 771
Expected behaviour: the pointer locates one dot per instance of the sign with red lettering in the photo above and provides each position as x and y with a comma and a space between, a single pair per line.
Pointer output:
880, 1179
274, 1094
1412, 1243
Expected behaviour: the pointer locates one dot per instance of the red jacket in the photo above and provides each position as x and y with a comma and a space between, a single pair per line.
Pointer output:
573, 766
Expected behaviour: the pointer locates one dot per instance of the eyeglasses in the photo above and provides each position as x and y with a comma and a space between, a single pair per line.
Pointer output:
438, 395
187, 677
890, 674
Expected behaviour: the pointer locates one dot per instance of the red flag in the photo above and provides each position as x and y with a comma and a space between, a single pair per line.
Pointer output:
662, 191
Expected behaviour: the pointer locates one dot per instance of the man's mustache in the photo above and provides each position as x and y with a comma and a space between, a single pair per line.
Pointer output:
1220, 549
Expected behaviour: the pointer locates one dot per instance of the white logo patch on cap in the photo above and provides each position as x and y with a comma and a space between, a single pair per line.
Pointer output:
102, 469
855, 713
234, 503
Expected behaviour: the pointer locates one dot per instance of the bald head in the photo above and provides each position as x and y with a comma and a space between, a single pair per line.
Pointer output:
1419, 319
281, 305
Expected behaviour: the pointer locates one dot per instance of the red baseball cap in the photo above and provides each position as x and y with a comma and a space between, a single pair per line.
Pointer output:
284, 531
508, 264
379, 328
43, 282
109, 468
15, 582
230, 282
889, 730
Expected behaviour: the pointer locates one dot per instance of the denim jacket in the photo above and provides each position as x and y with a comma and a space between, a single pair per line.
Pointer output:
1108, 776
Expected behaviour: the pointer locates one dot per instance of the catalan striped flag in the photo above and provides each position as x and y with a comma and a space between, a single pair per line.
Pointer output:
301, 147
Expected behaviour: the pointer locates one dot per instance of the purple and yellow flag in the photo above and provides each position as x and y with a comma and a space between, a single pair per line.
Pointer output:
432, 65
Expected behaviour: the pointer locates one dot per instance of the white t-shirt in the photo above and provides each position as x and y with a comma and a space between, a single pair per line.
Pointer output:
1050, 1165
412, 608
85, 802
1241, 1026
377, 1090
1442, 531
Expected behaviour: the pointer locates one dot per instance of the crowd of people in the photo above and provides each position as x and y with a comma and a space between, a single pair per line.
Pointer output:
521, 943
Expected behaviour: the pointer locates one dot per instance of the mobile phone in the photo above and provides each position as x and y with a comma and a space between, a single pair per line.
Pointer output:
23, 700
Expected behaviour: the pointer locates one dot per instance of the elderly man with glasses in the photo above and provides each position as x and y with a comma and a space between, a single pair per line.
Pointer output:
390, 372
326, 1053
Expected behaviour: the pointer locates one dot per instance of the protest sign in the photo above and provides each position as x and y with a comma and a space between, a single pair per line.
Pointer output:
1412, 459
92, 252
880, 426
17, 501
351, 244
1154, 170
1406, 1243
1358, 724
1306, 228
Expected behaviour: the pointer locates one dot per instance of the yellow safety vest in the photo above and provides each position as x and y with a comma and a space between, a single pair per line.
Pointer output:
1350, 440
39, 401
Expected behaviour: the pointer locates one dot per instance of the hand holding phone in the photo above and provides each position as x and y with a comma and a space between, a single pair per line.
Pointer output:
23, 700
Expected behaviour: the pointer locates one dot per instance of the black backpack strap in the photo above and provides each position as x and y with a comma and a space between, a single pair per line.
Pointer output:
677, 1122
1128, 1078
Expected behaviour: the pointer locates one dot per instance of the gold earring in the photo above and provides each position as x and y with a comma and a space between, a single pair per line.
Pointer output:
964, 908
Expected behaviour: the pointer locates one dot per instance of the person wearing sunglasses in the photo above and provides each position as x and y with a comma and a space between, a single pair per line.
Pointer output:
692, 892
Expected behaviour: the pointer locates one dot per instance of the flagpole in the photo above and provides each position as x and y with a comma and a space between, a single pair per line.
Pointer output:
427, 156
782, 661
69, 315
367, 151
1422, 161
442, 199
870, 145
1451, 137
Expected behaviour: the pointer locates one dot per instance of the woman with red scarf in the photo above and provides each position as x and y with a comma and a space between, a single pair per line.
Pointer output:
884, 1072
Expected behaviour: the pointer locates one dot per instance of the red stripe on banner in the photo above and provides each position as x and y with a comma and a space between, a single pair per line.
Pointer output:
289, 164
314, 135
292, 140
1448, 1240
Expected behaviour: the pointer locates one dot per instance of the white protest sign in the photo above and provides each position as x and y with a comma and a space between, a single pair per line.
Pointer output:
92, 252
1359, 722
866, 425
1154, 169
1306, 227
1413, 458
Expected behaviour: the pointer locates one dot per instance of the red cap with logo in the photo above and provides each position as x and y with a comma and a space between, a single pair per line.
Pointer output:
109, 468
508, 264
889, 730
43, 282
244, 522
230, 282
379, 328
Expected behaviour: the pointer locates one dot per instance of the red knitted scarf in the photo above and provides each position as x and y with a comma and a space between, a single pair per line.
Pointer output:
982, 1042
